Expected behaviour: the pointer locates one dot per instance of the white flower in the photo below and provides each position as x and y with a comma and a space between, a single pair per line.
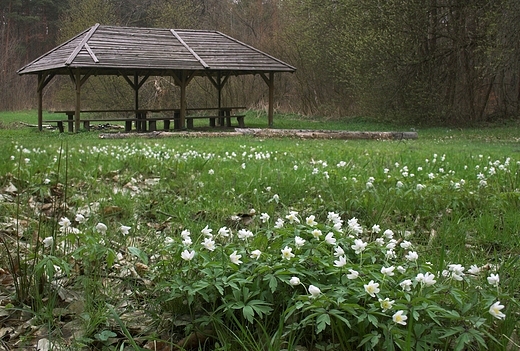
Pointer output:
353, 274
275, 198
401, 269
287, 253
299, 242
279, 223
376, 228
354, 226
244, 234
389, 271
329, 238
209, 244
101, 228
168, 241
389, 234
310, 221
314, 290
224, 231
64, 222
187, 255
456, 269
338, 251
48, 242
207, 232
474, 269
399, 317
342, 260
235, 258
211, 172
399, 184
264, 217
406, 244
371, 288
390, 254
294, 281
185, 234
495, 310
255, 255
426, 279
316, 233
386, 304
187, 241
406, 285
493, 279
412, 256
125, 229
359, 246
80, 218
380, 241
420, 187
292, 217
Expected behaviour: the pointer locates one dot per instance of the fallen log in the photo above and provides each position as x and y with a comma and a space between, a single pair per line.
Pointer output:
273, 133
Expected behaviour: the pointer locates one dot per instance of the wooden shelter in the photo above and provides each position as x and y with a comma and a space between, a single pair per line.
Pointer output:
138, 53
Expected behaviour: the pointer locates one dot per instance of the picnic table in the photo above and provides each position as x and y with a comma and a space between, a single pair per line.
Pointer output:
144, 120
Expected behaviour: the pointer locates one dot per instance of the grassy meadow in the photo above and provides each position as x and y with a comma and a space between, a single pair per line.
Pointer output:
243, 243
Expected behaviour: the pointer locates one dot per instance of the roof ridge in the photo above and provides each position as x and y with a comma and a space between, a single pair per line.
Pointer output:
197, 57
80, 46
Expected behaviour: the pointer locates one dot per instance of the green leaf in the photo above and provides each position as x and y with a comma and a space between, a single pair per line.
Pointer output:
321, 322
105, 335
138, 253
248, 313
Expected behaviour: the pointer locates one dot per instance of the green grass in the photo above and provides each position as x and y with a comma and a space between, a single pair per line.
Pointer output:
160, 187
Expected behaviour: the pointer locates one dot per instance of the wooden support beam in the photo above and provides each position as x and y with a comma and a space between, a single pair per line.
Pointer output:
78, 100
270, 83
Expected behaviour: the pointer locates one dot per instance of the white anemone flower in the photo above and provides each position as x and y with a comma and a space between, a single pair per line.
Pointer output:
495, 310
338, 251
330, 239
412, 256
101, 228
287, 253
493, 279
314, 291
406, 285
316, 233
359, 246
125, 229
389, 271
207, 232
386, 304
292, 217
64, 222
209, 244
299, 242
295, 281
342, 260
353, 274
187, 255
372, 288
48, 242
399, 317
255, 255
235, 258
311, 221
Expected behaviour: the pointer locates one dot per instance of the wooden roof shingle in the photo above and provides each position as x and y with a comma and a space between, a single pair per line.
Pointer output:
111, 49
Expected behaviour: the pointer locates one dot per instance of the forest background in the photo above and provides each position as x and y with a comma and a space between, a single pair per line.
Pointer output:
432, 62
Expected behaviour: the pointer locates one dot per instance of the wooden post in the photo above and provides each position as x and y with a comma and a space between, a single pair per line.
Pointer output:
182, 115
270, 112
40, 101
78, 100
136, 94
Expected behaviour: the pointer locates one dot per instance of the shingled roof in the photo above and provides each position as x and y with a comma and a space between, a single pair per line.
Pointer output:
112, 50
